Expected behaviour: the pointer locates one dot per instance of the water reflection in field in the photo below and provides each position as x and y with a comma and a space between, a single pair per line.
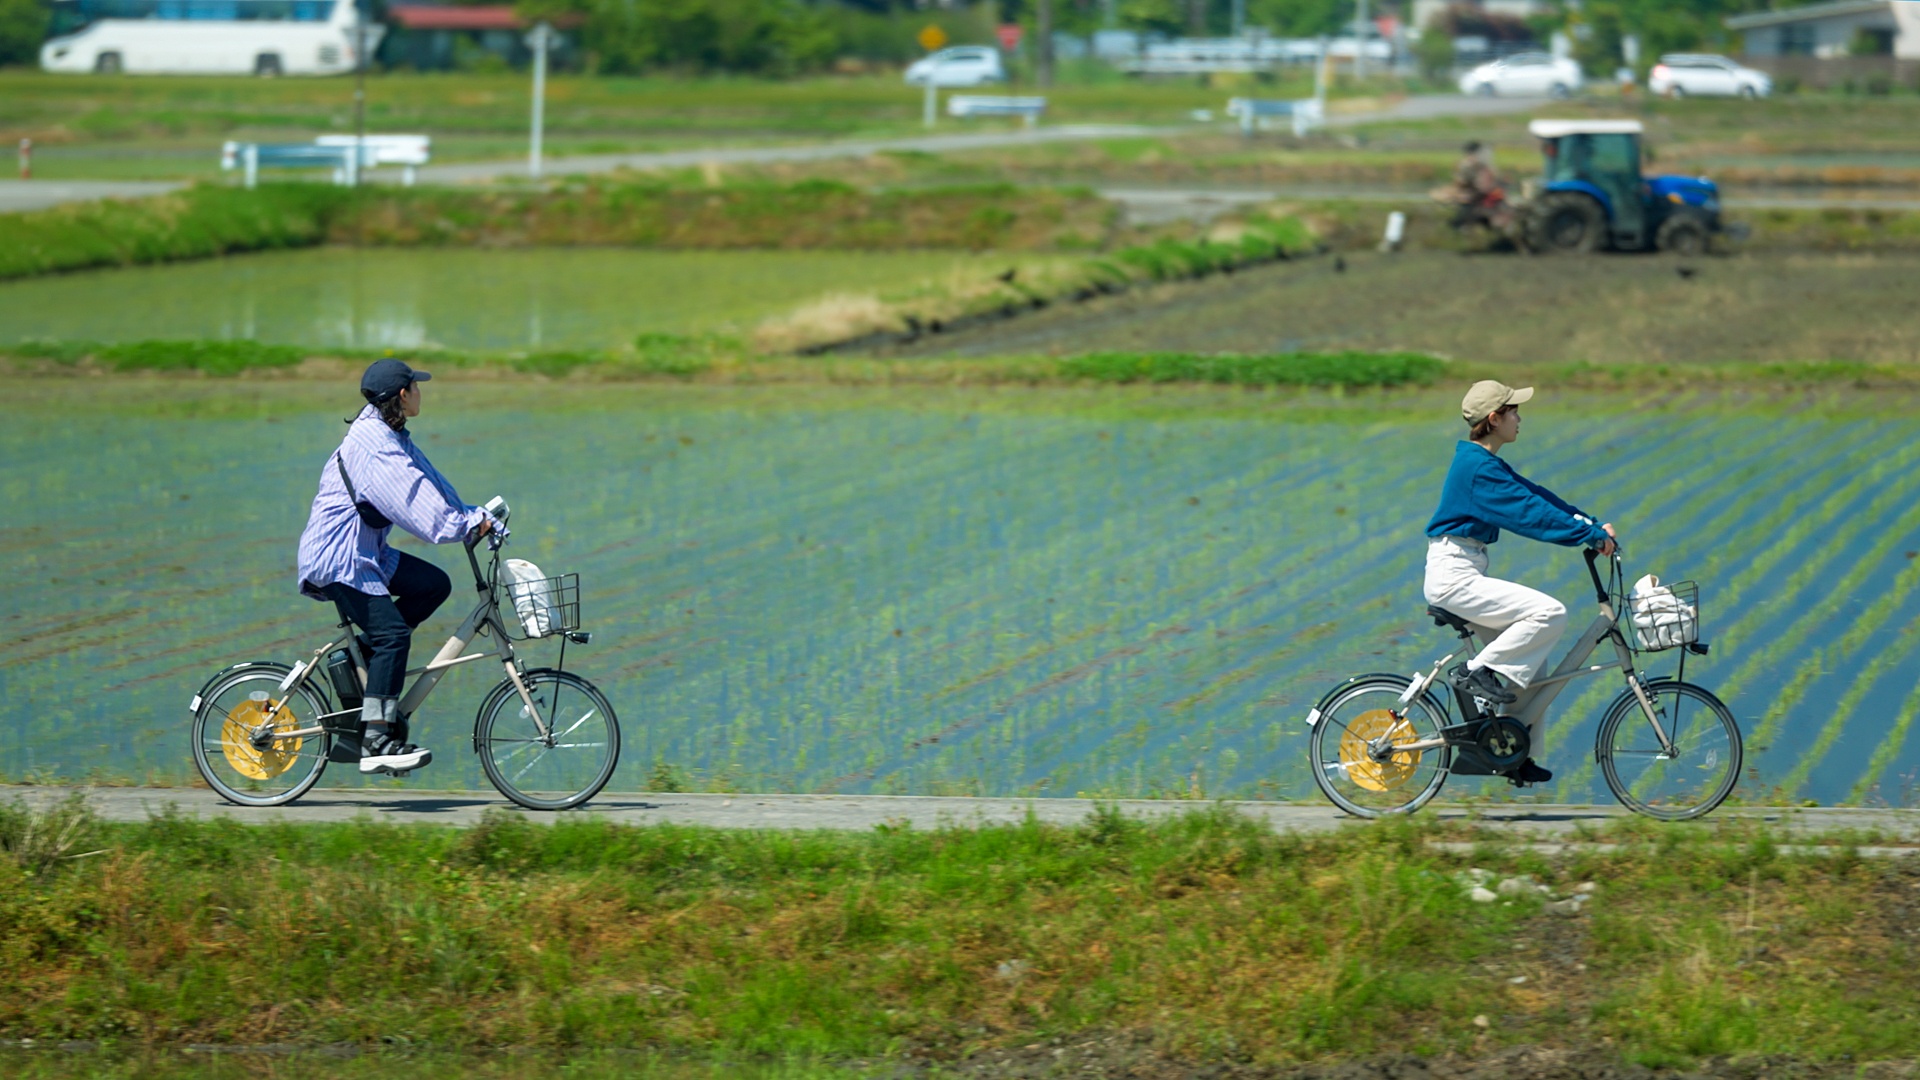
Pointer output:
544, 298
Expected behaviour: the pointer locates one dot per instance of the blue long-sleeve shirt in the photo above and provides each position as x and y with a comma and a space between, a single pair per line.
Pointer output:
1484, 494
390, 472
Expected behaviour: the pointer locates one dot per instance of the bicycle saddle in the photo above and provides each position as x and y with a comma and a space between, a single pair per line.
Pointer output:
1443, 617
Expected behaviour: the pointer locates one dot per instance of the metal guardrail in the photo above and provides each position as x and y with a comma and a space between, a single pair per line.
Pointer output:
336, 152
1028, 109
1306, 113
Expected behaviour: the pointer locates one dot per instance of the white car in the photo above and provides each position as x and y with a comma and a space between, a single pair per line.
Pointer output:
961, 65
1523, 75
1701, 75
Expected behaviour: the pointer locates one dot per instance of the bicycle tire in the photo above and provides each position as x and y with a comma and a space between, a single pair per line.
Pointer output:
1334, 717
216, 703
1714, 748
502, 729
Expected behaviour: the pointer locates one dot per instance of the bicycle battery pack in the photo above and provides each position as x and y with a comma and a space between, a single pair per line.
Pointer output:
346, 681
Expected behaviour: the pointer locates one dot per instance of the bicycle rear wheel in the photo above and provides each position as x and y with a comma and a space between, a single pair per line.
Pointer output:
1365, 709
239, 756
562, 768
1688, 783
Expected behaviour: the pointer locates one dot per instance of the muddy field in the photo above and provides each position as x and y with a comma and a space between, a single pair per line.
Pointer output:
1504, 309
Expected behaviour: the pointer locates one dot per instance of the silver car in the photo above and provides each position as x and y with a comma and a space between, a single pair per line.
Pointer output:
1704, 75
1523, 75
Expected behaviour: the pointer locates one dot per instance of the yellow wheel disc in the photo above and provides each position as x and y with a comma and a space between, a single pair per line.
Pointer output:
236, 740
1361, 768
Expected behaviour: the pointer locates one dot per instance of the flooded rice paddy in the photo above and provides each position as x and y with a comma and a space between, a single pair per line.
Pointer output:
458, 299
858, 592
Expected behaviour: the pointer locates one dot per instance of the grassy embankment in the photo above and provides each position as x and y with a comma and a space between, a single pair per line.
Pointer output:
205, 221
1206, 937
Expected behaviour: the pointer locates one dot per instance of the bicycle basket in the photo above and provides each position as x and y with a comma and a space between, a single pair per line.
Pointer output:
545, 605
1665, 616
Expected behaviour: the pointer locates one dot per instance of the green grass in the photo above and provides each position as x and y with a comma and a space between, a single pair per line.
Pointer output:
1288, 369
1206, 936
192, 224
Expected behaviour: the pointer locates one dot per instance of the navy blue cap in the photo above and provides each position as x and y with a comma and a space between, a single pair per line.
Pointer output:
385, 378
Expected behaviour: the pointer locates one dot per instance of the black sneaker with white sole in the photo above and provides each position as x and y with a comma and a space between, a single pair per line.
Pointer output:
1481, 683
382, 753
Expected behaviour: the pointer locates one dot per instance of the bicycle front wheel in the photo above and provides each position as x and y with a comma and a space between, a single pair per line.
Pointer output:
1685, 781
1364, 714
562, 767
244, 757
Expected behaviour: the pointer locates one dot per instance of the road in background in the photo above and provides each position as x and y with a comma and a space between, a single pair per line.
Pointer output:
18, 195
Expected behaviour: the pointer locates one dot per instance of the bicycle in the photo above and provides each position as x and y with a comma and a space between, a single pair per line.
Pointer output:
263, 732
1669, 749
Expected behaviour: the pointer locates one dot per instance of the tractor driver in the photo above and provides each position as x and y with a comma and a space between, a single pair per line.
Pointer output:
1476, 192
1481, 496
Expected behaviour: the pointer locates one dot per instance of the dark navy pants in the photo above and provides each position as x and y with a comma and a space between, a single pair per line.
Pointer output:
418, 589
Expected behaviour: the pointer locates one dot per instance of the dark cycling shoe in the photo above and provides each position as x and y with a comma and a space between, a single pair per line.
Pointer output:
382, 753
1481, 683
1529, 773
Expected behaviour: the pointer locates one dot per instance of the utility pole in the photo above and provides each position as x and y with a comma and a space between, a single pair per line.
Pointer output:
1360, 24
1239, 18
538, 39
359, 91
1043, 48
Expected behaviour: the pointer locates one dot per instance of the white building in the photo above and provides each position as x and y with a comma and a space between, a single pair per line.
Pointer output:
1830, 30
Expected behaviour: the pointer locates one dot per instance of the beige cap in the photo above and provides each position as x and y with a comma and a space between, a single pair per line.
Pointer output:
1487, 395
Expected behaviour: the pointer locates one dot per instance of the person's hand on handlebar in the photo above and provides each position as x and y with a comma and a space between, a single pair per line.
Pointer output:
1612, 545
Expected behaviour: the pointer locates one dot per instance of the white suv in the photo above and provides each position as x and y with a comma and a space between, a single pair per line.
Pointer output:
962, 65
1701, 75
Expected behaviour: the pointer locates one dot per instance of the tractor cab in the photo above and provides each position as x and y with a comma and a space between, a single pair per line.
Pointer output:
1593, 195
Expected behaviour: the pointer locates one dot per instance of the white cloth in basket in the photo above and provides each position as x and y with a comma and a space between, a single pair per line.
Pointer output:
533, 599
1661, 619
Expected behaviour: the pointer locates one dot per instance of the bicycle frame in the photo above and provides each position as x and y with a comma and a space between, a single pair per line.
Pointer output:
484, 618
1531, 704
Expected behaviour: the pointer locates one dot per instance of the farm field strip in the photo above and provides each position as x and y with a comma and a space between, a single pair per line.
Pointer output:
886, 598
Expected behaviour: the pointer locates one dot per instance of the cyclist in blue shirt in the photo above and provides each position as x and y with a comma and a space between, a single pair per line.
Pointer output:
1481, 496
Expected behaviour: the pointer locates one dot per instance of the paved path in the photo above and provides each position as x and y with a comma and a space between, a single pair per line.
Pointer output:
1534, 823
1421, 107
17, 195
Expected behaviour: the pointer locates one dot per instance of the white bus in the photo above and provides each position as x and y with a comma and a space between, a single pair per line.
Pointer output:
204, 37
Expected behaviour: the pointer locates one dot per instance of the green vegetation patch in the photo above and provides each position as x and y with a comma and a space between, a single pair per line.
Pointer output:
1278, 369
191, 224
808, 214
1206, 936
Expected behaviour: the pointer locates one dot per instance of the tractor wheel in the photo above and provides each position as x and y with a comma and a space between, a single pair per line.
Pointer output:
1566, 223
1682, 234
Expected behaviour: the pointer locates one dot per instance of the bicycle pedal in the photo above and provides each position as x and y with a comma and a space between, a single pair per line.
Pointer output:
399, 773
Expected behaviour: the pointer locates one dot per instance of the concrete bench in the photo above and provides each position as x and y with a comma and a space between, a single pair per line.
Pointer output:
1306, 113
1027, 109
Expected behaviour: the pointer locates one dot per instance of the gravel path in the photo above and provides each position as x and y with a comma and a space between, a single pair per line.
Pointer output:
1547, 825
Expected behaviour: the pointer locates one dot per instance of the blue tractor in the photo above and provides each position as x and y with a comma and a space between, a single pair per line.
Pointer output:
1594, 198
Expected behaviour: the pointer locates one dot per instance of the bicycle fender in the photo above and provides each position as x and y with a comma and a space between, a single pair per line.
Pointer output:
1320, 707
193, 707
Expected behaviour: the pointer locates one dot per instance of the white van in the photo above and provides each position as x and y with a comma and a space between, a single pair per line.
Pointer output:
204, 37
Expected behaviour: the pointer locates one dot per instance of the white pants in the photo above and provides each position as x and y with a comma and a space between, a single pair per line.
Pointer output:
1524, 623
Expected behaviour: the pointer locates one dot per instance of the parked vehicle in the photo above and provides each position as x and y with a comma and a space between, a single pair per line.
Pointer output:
1594, 197
1702, 75
1523, 75
961, 65
204, 37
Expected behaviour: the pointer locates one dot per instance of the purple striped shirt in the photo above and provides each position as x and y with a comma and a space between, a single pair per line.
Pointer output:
391, 473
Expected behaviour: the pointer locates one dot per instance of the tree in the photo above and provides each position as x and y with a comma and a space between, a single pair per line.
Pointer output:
23, 27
